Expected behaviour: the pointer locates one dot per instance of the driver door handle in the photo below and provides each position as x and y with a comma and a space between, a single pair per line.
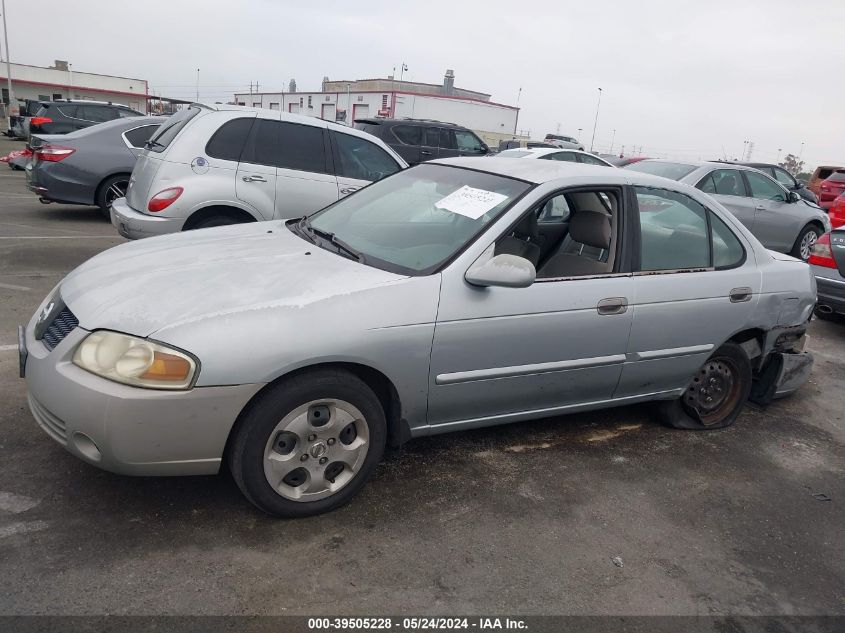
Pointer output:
425, 152
612, 305
349, 190
760, 207
254, 179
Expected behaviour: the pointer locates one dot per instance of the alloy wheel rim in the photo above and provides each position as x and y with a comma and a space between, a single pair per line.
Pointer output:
807, 244
116, 190
316, 450
714, 391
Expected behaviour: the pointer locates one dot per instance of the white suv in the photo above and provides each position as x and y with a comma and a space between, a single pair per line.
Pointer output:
221, 164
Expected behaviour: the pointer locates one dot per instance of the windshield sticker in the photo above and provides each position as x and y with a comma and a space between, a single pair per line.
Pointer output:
470, 202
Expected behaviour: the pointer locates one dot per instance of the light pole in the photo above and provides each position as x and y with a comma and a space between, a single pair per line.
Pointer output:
349, 104
198, 85
8, 67
780, 149
612, 140
800, 154
516, 119
744, 147
596, 122
402, 70
579, 134
70, 74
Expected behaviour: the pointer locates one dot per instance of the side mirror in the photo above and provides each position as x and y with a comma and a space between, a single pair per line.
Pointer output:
794, 197
507, 271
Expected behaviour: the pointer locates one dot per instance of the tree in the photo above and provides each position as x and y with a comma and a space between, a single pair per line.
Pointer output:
792, 164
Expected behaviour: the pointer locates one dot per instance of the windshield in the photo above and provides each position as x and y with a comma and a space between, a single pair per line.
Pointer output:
674, 171
417, 219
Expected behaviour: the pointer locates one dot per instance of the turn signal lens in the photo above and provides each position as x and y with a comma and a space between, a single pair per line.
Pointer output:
135, 361
820, 254
164, 199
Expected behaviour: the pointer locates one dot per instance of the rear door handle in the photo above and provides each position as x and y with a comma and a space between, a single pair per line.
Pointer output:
254, 179
425, 152
740, 295
612, 305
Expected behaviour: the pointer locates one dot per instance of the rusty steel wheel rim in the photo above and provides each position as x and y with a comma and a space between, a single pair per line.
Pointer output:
715, 391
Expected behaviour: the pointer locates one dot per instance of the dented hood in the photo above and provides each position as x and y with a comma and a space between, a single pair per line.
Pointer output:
143, 286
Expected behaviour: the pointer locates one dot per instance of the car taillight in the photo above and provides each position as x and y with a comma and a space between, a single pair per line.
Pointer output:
164, 199
40, 120
53, 153
825, 187
821, 255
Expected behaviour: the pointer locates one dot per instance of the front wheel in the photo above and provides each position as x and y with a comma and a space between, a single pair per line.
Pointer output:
307, 445
805, 241
715, 397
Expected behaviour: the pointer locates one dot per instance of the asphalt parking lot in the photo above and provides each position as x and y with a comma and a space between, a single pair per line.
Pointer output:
598, 513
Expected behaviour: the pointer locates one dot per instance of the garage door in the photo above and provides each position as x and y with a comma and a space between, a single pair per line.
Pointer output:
293, 108
360, 111
329, 111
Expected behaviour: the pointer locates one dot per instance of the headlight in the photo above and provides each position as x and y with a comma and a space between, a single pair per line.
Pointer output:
135, 361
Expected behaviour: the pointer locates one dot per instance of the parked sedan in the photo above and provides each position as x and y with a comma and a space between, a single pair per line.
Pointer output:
827, 260
779, 218
785, 178
454, 295
544, 153
90, 166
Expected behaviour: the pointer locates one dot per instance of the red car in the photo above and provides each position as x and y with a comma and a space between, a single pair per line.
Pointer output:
831, 188
837, 212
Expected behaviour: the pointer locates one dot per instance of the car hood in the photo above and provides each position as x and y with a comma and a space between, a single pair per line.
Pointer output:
144, 286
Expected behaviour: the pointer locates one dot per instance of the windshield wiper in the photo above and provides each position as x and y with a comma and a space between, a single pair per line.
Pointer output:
305, 225
151, 143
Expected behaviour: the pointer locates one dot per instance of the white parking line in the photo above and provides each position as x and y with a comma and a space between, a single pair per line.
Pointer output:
14, 287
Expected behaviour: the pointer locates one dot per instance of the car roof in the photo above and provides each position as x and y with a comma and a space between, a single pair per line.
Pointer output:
715, 164
542, 151
542, 171
381, 121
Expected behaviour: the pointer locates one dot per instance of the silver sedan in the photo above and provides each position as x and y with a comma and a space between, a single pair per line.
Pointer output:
454, 295
781, 219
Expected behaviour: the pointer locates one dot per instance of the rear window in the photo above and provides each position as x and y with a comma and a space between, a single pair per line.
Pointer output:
170, 128
824, 173
227, 143
837, 176
673, 171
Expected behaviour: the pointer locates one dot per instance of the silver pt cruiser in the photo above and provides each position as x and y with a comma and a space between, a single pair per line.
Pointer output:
457, 294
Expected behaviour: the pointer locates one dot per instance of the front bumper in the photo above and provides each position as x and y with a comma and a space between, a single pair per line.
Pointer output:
125, 429
134, 225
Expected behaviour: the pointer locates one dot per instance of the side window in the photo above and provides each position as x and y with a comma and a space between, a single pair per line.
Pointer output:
447, 139
554, 211
727, 249
568, 157
69, 110
408, 134
784, 178
228, 141
358, 158
591, 160
127, 114
140, 135
673, 231
468, 142
764, 187
725, 182
286, 145
431, 137
97, 114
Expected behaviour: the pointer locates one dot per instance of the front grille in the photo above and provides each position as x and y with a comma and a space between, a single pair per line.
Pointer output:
53, 426
62, 325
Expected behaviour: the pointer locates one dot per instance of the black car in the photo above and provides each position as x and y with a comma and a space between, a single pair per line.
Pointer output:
61, 117
783, 177
419, 140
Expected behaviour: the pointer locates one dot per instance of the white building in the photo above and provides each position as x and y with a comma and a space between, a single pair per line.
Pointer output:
62, 81
391, 98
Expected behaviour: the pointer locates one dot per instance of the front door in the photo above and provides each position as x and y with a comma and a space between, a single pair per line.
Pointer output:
687, 298
728, 187
255, 180
775, 224
430, 143
503, 354
358, 162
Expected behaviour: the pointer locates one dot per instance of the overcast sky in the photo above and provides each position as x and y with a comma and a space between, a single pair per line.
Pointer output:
680, 78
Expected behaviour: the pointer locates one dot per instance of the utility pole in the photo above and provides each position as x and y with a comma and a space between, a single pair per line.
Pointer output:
349, 103
403, 68
8, 67
612, 140
198, 85
516, 119
596, 122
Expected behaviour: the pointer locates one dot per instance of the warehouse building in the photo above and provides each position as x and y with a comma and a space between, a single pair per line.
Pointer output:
62, 81
346, 101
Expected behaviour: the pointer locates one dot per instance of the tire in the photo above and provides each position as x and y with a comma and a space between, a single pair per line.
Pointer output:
806, 238
281, 436
110, 190
725, 377
215, 220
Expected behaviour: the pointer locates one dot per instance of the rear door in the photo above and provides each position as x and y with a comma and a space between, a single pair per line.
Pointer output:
255, 179
358, 162
448, 145
728, 187
776, 224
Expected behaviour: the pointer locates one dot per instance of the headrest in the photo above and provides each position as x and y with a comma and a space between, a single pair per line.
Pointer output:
590, 228
527, 227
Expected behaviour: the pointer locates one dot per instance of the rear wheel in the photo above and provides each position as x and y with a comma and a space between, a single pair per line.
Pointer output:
717, 393
308, 444
805, 241
110, 190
